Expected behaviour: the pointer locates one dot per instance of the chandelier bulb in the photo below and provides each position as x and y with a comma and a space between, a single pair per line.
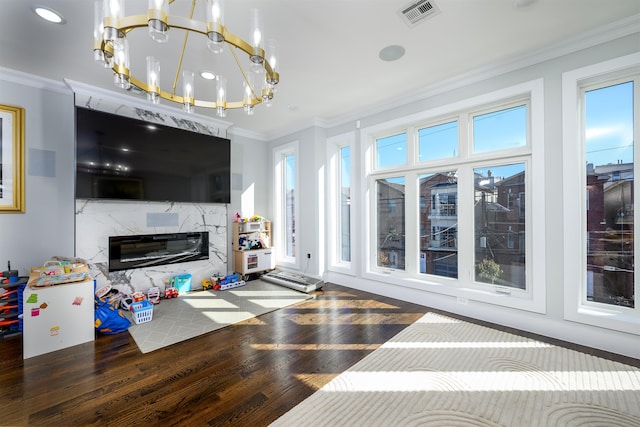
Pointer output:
157, 23
113, 11
215, 27
153, 80
188, 91
121, 76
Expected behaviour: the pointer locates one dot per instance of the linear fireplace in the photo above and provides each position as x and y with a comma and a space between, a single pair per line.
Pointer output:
148, 250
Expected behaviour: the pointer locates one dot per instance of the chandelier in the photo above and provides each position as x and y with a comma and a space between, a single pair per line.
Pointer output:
111, 50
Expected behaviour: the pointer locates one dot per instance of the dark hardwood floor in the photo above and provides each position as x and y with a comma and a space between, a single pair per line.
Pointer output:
247, 374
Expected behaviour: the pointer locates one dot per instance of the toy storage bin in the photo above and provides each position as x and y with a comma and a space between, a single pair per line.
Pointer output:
142, 311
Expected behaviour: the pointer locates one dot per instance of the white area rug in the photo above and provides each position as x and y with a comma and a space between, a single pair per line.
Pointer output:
445, 372
197, 313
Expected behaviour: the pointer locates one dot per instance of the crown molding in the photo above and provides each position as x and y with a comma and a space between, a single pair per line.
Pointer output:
37, 82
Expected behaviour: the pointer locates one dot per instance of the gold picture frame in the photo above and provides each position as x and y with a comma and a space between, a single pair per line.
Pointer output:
11, 159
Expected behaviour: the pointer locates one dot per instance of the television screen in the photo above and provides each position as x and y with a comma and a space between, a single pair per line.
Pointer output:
122, 158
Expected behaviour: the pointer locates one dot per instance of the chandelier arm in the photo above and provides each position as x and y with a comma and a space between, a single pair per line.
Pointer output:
184, 47
244, 75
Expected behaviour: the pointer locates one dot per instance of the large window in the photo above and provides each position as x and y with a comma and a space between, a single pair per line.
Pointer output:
608, 146
601, 105
452, 199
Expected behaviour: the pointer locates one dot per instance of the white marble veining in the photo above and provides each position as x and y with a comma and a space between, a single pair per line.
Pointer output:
96, 220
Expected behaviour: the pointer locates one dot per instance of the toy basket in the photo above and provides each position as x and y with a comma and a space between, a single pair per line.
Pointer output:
142, 311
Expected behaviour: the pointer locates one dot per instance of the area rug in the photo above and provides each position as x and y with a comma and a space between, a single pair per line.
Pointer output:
196, 313
445, 372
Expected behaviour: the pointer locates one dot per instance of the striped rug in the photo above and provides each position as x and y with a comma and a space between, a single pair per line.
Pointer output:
446, 372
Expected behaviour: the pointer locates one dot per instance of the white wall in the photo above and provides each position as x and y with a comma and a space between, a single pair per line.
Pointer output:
45, 229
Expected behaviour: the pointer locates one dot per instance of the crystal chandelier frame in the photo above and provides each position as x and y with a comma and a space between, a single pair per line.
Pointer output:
111, 50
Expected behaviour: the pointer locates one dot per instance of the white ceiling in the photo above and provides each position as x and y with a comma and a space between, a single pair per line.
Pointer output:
328, 49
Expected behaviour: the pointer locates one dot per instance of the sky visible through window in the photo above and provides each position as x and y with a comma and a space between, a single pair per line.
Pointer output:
609, 125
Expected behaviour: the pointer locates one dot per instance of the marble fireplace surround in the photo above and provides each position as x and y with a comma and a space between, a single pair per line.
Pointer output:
96, 220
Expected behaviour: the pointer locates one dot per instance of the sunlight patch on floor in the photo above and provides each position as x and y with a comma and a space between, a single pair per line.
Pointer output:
227, 317
493, 344
315, 381
356, 318
314, 347
210, 303
485, 381
348, 304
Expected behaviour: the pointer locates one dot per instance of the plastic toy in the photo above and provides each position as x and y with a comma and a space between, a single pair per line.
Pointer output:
171, 292
206, 284
153, 295
125, 302
138, 296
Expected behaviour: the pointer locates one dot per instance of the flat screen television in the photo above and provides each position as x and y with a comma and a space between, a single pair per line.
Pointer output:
122, 158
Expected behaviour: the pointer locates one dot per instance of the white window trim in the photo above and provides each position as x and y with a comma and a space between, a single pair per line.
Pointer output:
535, 299
576, 307
334, 145
279, 236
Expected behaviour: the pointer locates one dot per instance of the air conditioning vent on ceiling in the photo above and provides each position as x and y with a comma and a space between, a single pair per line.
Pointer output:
415, 12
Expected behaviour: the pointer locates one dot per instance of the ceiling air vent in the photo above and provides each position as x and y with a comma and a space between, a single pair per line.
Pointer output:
415, 12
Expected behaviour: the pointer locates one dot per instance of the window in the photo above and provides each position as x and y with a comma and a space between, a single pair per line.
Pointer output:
438, 141
439, 250
496, 260
391, 151
390, 208
497, 130
602, 102
345, 204
341, 203
286, 204
457, 210
290, 204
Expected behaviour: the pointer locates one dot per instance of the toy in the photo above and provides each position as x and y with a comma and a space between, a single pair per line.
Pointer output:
138, 296
153, 295
229, 285
125, 302
206, 284
171, 292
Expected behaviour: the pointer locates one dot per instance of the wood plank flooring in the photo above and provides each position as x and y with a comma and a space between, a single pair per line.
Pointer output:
247, 374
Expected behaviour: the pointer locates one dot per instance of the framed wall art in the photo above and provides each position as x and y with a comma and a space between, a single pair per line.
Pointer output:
11, 159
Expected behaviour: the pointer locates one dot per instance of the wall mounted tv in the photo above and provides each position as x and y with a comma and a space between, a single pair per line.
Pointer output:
122, 158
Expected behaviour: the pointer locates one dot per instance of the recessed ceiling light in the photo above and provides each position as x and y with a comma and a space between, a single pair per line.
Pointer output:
49, 14
391, 53
207, 75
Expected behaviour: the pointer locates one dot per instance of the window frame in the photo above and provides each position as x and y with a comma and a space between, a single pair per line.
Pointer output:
577, 307
530, 92
280, 235
334, 236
